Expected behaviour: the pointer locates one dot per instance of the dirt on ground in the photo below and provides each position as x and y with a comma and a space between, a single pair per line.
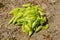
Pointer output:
14, 32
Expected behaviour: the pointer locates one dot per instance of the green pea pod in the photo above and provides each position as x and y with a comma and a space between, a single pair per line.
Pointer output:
19, 15
42, 10
41, 13
11, 20
29, 29
38, 28
42, 20
26, 5
36, 22
14, 11
45, 27
39, 8
24, 29
20, 21
30, 32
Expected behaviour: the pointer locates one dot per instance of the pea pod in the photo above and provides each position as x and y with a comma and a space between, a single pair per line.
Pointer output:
38, 28
24, 29
45, 27
20, 14
36, 22
30, 32
11, 20
14, 11
26, 5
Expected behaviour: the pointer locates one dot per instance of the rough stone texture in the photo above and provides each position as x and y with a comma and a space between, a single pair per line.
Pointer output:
14, 32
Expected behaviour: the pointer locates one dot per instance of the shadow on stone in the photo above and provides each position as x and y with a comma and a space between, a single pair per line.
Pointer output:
1, 5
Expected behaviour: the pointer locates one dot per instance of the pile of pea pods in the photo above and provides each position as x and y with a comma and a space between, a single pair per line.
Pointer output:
30, 17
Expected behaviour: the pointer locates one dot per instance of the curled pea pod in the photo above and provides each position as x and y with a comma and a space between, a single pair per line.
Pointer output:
43, 20
36, 22
45, 27
30, 32
24, 29
27, 29
38, 28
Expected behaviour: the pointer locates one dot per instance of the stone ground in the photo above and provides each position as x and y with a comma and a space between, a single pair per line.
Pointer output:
14, 32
